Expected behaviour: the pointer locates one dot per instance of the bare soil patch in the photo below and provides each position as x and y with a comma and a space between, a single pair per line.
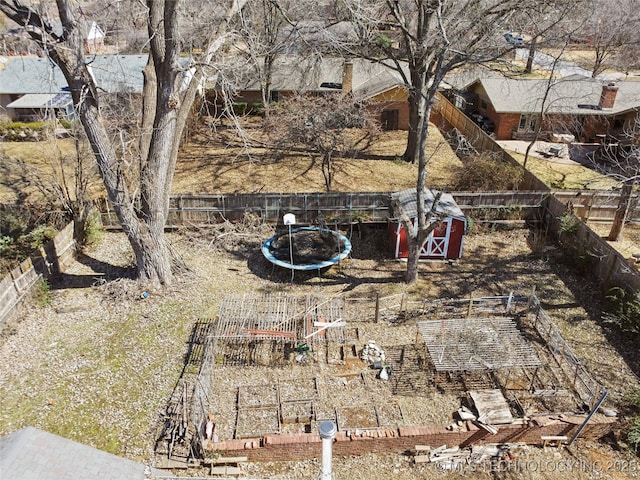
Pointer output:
100, 362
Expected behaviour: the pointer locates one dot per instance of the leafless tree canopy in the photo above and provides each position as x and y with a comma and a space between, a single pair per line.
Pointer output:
330, 125
169, 91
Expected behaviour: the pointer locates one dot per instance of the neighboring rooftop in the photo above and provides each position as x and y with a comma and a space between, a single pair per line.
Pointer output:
314, 73
570, 95
112, 73
32, 454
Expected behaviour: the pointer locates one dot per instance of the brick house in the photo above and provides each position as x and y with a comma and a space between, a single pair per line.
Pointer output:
583, 108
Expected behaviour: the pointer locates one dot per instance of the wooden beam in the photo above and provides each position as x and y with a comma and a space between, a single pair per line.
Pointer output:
223, 460
320, 330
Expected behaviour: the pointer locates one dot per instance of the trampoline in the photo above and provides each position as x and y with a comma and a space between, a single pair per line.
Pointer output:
306, 248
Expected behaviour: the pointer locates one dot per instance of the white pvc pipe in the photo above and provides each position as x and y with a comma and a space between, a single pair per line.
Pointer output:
328, 432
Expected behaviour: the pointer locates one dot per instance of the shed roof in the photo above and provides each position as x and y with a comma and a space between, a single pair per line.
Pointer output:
32, 454
574, 95
406, 200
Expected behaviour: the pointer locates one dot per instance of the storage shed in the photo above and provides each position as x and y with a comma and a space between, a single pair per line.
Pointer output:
445, 242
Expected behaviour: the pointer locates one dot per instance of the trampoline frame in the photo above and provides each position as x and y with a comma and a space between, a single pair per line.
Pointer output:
310, 266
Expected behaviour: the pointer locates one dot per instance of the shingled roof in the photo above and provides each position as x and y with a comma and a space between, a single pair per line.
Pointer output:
574, 95
32, 454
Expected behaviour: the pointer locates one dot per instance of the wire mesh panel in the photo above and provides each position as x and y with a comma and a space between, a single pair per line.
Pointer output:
467, 344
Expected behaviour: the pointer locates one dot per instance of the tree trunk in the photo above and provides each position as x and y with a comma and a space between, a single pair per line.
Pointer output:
411, 149
424, 223
141, 209
327, 170
621, 211
411, 275
532, 53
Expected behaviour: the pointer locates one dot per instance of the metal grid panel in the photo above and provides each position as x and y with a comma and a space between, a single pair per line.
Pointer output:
466, 344
278, 318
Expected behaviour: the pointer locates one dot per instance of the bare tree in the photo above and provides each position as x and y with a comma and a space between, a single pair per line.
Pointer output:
169, 91
544, 103
63, 183
267, 31
619, 158
612, 29
426, 39
330, 126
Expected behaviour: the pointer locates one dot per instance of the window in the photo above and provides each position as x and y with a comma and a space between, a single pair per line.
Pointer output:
528, 123
274, 96
389, 119
523, 122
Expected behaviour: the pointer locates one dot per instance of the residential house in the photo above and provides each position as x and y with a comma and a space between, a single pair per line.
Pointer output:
93, 38
374, 82
32, 88
583, 108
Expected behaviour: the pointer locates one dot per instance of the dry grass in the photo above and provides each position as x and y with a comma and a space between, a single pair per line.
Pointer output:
627, 244
223, 162
563, 176
103, 362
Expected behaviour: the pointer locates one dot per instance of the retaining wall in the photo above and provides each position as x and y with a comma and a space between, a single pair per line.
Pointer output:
359, 442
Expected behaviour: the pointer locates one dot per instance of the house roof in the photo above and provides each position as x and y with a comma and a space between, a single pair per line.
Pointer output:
32, 454
406, 200
42, 100
112, 73
92, 31
305, 74
22, 75
575, 95
371, 79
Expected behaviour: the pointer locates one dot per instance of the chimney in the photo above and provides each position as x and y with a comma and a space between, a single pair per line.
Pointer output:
328, 432
608, 96
347, 77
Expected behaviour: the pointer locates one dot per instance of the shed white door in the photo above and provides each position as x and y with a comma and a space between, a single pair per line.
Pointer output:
437, 243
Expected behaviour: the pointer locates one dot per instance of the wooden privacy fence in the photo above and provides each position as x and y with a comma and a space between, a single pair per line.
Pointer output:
270, 207
343, 208
608, 266
480, 140
51, 259
597, 205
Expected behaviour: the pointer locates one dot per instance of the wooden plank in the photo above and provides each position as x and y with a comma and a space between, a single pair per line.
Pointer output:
556, 439
491, 406
223, 460
226, 471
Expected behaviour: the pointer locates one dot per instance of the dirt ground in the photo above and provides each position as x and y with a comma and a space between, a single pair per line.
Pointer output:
99, 362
